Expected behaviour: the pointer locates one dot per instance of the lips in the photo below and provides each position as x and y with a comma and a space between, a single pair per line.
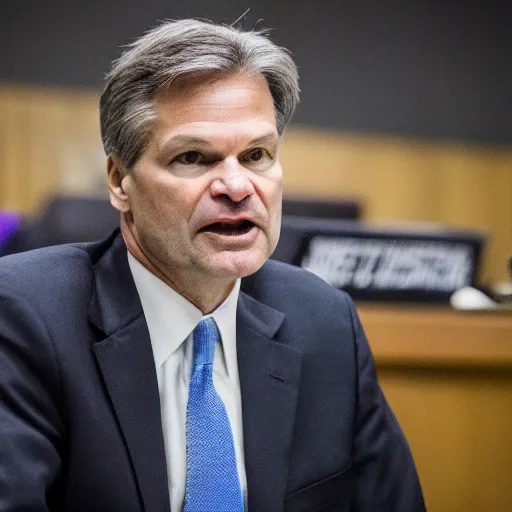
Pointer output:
229, 227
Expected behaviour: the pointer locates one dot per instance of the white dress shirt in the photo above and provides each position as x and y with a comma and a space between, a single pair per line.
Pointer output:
171, 319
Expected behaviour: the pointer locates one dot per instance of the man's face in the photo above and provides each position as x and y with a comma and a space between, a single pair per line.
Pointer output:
205, 196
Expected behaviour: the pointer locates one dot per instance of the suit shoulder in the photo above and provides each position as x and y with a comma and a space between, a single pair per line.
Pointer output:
58, 263
46, 270
288, 283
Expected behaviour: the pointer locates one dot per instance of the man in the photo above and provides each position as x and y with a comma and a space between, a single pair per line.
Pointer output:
141, 372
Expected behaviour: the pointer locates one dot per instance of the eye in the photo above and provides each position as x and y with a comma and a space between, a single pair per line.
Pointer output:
189, 158
255, 155
257, 159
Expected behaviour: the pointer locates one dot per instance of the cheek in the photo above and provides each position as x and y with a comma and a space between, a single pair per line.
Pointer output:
166, 200
275, 196
155, 206
186, 201
270, 189
276, 200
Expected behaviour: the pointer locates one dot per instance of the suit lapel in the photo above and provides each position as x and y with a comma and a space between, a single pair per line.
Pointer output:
125, 359
269, 380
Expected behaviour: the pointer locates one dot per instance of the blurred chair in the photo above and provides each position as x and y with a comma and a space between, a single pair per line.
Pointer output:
64, 219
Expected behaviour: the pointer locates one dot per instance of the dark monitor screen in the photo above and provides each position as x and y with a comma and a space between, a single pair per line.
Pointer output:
322, 208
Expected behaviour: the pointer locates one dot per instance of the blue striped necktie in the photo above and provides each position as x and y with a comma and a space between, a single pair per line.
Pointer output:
212, 477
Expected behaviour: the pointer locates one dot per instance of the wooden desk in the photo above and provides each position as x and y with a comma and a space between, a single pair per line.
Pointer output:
448, 377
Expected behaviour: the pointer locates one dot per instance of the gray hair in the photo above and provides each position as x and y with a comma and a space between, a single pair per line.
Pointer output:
180, 49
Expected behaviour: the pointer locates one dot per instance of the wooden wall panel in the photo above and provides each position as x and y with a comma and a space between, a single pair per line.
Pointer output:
40, 129
14, 129
49, 140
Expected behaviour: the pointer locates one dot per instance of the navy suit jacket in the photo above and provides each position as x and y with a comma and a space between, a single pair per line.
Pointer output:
80, 418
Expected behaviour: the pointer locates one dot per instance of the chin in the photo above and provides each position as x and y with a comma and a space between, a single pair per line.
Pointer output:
233, 265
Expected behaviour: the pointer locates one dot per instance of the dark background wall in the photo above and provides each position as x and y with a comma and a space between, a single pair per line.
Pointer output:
429, 68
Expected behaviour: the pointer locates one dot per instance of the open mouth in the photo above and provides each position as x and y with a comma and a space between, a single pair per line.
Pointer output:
236, 228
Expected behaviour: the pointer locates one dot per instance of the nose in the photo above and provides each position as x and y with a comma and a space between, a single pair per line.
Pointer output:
233, 181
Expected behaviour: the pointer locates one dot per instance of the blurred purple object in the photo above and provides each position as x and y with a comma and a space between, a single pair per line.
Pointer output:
9, 223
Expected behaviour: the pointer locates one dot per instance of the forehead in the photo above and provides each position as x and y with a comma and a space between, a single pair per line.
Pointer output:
237, 102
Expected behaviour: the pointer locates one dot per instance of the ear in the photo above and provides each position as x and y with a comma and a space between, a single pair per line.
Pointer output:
117, 176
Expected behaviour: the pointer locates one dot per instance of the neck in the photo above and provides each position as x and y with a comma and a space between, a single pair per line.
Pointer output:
205, 297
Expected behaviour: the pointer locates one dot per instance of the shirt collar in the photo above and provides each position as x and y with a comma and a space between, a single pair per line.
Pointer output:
171, 318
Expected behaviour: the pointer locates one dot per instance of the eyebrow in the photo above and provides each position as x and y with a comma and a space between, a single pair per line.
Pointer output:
264, 139
184, 140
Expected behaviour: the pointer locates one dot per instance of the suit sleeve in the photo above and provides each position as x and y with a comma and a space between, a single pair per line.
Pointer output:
385, 477
30, 425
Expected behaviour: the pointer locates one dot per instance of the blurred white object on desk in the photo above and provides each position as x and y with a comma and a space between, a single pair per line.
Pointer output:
468, 298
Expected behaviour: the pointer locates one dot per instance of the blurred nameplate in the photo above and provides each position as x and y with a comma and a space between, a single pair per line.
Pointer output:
378, 264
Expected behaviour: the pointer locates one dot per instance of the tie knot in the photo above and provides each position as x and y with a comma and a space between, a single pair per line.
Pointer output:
206, 336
